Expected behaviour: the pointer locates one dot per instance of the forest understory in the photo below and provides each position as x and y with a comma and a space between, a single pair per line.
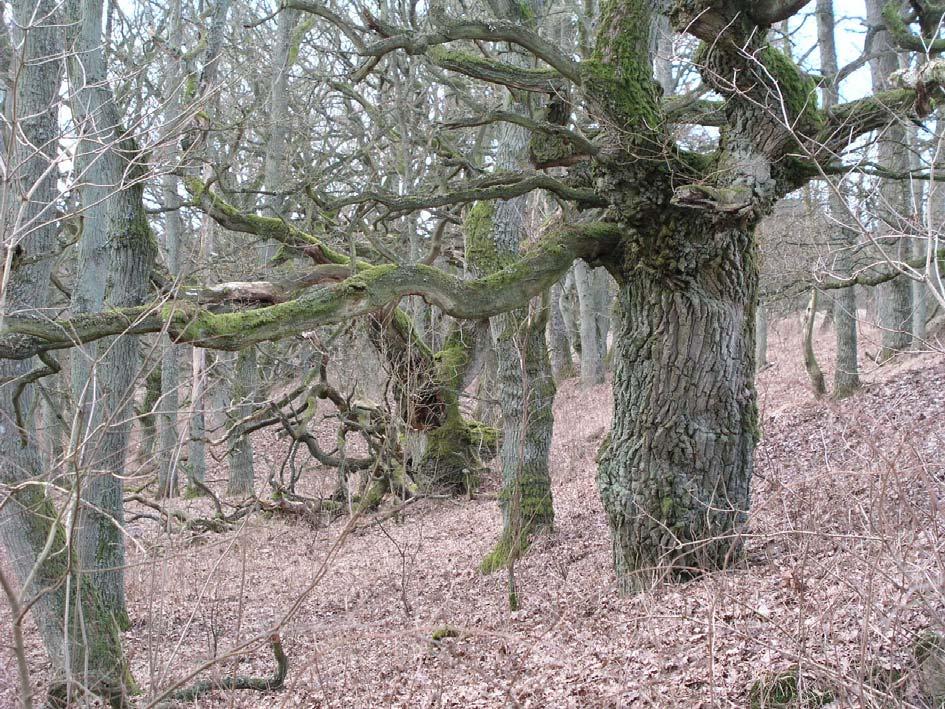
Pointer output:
843, 573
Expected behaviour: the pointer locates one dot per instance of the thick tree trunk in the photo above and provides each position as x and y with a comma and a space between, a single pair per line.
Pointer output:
77, 629
674, 475
119, 222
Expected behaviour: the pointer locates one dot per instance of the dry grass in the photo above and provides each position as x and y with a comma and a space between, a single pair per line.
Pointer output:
844, 568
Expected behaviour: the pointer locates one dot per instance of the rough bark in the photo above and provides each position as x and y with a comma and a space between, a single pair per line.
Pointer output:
119, 220
675, 472
77, 629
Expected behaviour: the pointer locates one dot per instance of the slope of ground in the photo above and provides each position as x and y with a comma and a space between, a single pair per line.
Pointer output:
843, 569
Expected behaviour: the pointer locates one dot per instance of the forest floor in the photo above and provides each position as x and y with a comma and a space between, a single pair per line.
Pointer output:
844, 568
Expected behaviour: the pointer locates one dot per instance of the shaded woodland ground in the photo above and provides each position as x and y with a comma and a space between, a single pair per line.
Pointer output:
844, 571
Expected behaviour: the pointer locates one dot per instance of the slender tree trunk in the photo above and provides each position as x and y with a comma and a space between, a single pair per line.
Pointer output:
170, 355
593, 316
77, 629
674, 474
241, 449
761, 337
197, 460
814, 374
846, 370
919, 206
895, 296
562, 363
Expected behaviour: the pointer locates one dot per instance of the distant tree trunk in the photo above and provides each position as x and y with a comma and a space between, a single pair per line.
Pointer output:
241, 449
814, 374
591, 287
761, 337
525, 382
62, 603
119, 221
570, 310
146, 415
562, 363
920, 205
197, 460
846, 370
895, 296
169, 456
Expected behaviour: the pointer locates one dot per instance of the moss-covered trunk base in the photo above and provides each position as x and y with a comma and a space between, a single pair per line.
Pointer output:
455, 454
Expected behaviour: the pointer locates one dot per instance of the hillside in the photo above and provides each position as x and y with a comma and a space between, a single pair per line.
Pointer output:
843, 569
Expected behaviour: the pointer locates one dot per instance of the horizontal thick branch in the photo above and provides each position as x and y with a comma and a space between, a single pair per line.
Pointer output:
370, 290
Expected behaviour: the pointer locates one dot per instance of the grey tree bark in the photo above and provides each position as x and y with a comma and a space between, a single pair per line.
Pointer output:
846, 378
761, 337
110, 187
78, 631
169, 443
562, 362
895, 296
593, 297
240, 457
524, 378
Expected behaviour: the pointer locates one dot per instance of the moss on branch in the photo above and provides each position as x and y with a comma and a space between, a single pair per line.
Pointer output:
366, 292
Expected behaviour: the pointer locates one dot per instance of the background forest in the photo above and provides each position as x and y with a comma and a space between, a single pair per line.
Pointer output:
528, 353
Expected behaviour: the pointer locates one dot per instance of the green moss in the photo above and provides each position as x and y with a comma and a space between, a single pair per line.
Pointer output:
783, 690
618, 75
444, 632
192, 492
632, 99
798, 89
481, 253
897, 27
504, 551
298, 35
484, 67
548, 149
